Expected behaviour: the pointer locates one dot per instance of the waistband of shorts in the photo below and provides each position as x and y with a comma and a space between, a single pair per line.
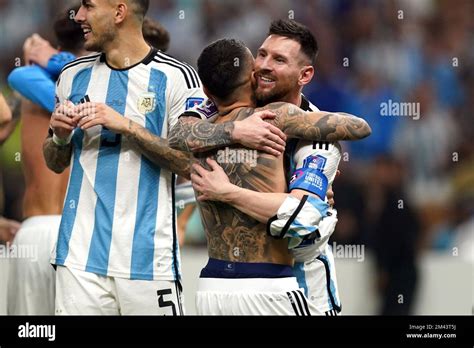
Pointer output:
41, 220
225, 269
251, 285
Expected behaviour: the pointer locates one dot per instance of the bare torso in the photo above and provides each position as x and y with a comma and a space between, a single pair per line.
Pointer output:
45, 190
231, 234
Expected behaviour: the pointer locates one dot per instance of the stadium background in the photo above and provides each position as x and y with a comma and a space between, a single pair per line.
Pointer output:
406, 193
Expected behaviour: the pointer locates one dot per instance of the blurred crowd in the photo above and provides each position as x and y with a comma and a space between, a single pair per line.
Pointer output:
409, 187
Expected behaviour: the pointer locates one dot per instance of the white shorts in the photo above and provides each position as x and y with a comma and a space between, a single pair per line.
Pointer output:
84, 293
251, 296
31, 280
317, 276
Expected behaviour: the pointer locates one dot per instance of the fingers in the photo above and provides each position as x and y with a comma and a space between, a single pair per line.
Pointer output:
266, 115
269, 150
89, 122
213, 164
61, 119
279, 133
276, 142
199, 169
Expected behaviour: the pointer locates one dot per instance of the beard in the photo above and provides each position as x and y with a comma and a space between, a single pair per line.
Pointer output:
277, 94
98, 42
264, 98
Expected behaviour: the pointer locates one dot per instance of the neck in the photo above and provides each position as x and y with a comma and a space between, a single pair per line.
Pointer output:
127, 49
241, 100
293, 98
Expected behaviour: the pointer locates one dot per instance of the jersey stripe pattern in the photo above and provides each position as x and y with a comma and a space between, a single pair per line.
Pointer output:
118, 218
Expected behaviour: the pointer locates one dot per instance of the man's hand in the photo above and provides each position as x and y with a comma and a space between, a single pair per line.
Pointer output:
62, 121
8, 229
255, 133
212, 185
38, 50
93, 114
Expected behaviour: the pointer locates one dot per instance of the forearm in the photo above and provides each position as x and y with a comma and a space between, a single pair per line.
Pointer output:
193, 135
57, 158
158, 150
259, 205
326, 126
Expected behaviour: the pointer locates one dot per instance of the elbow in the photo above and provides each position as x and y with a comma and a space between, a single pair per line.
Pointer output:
16, 78
365, 129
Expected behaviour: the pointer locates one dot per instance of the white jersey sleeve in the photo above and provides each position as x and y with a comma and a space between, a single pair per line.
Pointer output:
181, 98
316, 166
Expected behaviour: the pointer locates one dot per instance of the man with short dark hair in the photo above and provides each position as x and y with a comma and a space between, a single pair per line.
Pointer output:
249, 271
283, 66
117, 250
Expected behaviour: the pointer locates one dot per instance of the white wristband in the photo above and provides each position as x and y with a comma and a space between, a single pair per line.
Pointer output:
62, 142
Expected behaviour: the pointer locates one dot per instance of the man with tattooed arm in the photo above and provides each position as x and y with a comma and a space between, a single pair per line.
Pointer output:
249, 272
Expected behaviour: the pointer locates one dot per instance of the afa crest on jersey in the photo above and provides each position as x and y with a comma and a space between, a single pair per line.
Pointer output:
147, 102
317, 162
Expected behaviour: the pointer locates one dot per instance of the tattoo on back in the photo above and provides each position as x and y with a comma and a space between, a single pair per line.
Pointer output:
231, 234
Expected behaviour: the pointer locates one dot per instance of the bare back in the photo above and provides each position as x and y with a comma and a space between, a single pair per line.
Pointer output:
45, 190
231, 234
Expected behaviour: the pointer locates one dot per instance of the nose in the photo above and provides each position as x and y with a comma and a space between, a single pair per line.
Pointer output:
263, 64
80, 16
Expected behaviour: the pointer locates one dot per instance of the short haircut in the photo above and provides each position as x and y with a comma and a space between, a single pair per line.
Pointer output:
298, 32
68, 33
141, 7
155, 34
222, 65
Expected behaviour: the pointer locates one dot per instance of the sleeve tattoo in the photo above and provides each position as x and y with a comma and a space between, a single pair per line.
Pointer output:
193, 135
158, 150
320, 125
57, 157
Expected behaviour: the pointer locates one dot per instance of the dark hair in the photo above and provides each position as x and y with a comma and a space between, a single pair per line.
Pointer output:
221, 66
141, 7
298, 32
155, 34
68, 33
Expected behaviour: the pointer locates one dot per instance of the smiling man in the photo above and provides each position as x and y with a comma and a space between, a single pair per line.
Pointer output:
283, 66
117, 251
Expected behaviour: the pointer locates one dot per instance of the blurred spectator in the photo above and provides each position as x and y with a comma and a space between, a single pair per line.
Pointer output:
394, 227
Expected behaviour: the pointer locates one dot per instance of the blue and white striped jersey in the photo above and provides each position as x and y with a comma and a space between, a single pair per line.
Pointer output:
119, 215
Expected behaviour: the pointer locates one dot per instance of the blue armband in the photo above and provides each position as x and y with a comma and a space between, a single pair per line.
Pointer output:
311, 180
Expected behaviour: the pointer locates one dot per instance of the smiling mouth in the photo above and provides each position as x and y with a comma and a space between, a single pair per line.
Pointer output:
265, 81
86, 31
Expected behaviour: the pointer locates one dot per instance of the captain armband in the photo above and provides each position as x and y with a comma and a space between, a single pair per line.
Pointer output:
298, 219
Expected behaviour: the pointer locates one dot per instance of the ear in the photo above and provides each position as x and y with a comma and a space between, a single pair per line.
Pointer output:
306, 75
121, 12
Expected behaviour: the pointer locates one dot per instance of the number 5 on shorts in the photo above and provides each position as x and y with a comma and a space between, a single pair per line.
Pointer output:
162, 303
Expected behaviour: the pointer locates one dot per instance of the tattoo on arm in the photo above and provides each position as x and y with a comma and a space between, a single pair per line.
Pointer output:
158, 151
319, 125
194, 135
57, 157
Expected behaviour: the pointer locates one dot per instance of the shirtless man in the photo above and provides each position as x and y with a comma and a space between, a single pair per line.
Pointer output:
242, 255
8, 117
31, 288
